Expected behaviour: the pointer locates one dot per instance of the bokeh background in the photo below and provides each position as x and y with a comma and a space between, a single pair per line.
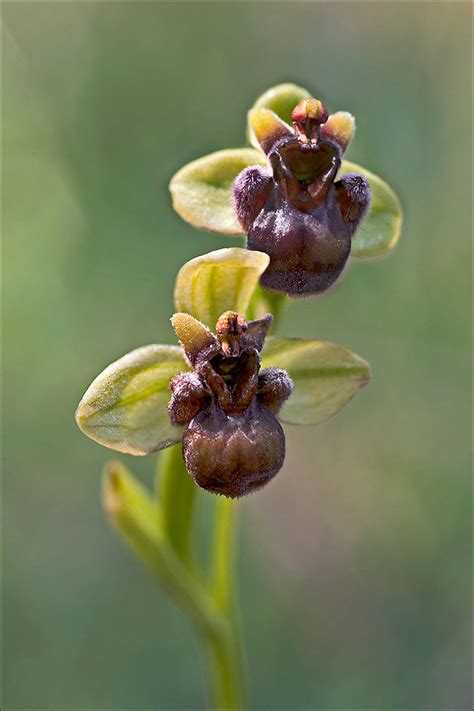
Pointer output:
355, 569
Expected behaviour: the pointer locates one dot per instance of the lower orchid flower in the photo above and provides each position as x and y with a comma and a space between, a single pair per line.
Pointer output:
233, 443
229, 389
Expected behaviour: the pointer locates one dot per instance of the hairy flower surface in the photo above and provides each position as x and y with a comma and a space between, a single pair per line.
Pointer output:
297, 212
233, 443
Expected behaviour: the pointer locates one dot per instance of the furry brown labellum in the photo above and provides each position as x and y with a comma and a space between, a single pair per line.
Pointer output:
298, 213
232, 444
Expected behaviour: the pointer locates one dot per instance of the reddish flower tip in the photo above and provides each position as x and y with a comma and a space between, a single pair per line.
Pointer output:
312, 109
231, 323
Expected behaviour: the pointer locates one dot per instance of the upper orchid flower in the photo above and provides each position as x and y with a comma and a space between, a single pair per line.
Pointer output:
296, 212
293, 194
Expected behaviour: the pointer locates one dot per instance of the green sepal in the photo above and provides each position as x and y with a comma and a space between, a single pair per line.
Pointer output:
325, 377
201, 190
202, 196
125, 408
380, 231
223, 280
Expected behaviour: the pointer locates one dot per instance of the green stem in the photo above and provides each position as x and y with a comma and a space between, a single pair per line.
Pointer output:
225, 652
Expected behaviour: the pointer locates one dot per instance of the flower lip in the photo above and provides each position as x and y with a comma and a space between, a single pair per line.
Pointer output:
307, 161
232, 443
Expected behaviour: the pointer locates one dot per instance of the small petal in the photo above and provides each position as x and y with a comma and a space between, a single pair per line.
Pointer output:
380, 231
353, 199
250, 191
257, 332
125, 408
219, 281
325, 377
281, 99
268, 128
193, 336
189, 395
202, 190
274, 387
340, 128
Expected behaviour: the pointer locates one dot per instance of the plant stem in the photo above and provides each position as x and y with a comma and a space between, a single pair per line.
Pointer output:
225, 652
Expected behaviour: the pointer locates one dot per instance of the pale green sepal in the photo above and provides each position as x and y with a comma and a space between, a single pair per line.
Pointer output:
380, 231
219, 281
125, 408
281, 99
201, 191
325, 377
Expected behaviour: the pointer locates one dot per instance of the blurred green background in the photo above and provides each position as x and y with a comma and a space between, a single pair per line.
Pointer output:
355, 564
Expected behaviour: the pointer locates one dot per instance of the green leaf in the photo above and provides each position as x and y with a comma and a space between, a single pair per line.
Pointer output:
201, 191
325, 377
136, 516
380, 231
219, 281
129, 505
281, 99
125, 408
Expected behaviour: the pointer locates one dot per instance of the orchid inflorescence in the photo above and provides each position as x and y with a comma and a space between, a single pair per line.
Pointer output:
226, 391
301, 208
